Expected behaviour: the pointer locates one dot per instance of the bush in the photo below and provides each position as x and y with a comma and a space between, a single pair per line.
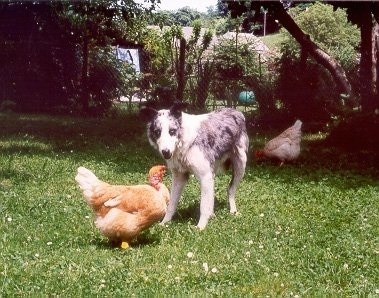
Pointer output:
357, 132
236, 69
306, 89
108, 79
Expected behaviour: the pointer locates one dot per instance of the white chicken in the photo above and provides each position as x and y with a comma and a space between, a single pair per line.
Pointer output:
285, 147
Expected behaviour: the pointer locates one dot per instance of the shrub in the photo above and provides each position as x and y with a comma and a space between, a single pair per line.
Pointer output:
306, 89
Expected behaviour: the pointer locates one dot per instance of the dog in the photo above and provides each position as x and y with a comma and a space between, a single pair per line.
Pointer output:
201, 145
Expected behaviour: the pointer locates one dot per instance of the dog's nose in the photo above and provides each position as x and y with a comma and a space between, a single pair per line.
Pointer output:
166, 153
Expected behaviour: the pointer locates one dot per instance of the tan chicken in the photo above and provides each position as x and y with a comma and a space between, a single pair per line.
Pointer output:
121, 211
285, 147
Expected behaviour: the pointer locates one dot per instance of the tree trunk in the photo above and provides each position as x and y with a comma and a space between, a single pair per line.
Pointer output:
334, 68
366, 63
375, 66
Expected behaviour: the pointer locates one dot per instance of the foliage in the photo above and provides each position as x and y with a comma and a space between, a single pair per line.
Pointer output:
48, 45
184, 16
108, 80
329, 29
164, 48
237, 68
161, 46
305, 89
308, 229
37, 57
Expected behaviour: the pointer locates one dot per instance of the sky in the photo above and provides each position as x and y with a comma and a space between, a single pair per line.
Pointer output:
200, 5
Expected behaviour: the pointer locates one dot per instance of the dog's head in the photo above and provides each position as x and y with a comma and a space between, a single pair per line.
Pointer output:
164, 128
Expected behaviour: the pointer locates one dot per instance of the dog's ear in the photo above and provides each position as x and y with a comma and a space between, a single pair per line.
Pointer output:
147, 113
177, 108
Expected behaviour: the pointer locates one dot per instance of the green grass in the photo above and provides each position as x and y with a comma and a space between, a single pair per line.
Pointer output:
273, 41
309, 229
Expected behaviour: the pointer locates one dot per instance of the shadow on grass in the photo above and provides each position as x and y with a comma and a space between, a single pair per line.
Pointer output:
144, 239
191, 213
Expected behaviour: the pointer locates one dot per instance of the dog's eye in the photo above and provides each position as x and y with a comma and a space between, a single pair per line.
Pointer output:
157, 133
172, 131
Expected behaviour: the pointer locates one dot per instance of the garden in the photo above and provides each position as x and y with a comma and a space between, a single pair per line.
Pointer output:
307, 228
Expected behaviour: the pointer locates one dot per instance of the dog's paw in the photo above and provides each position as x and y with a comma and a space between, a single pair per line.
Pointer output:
163, 224
202, 224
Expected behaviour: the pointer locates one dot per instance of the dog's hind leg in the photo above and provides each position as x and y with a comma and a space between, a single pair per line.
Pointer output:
178, 182
239, 164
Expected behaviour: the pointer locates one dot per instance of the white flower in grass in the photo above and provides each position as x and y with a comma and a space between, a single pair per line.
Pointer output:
276, 274
214, 270
9, 219
205, 266
190, 255
377, 291
169, 266
261, 215
49, 243
251, 242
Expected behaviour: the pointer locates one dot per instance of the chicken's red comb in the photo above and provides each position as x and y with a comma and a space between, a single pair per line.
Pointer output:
258, 154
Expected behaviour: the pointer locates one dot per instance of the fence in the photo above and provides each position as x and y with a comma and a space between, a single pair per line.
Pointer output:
215, 80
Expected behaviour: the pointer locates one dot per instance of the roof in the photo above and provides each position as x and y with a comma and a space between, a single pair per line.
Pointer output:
255, 43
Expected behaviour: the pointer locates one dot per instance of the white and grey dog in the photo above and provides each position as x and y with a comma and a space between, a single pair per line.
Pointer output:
202, 145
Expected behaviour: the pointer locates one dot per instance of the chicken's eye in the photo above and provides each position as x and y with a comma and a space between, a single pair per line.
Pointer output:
172, 131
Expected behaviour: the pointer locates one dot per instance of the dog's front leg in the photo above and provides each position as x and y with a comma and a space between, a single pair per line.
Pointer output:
178, 182
207, 199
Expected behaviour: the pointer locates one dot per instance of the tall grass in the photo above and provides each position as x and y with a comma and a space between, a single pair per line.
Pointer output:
309, 229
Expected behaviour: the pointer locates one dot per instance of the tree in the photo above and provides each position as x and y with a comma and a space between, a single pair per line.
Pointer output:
312, 48
305, 88
37, 57
363, 13
177, 64
59, 46
102, 23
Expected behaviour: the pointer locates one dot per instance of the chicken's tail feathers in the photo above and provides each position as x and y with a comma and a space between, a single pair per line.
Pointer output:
298, 124
87, 182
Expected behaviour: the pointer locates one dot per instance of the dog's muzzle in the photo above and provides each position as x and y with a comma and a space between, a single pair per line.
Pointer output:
166, 154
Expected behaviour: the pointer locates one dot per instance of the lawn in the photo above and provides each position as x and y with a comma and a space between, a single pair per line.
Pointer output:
308, 229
